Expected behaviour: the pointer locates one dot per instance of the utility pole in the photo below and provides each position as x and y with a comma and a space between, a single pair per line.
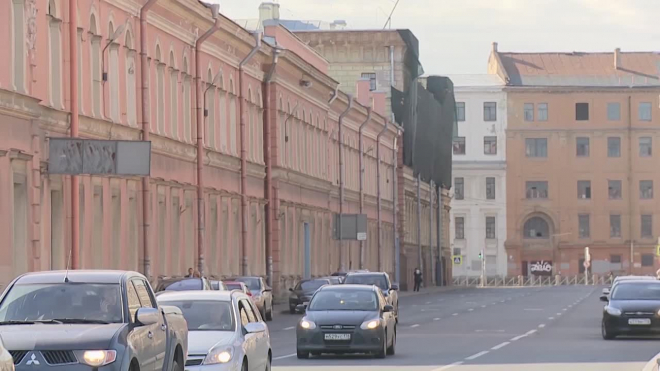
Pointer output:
483, 268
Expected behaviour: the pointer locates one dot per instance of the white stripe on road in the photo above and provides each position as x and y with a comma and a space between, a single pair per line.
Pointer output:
475, 356
436, 319
530, 332
454, 314
415, 325
483, 306
470, 310
286, 356
518, 337
551, 318
499, 346
289, 328
447, 367
542, 325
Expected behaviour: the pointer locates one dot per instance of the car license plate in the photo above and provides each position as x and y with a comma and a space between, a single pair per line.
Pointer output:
639, 321
338, 337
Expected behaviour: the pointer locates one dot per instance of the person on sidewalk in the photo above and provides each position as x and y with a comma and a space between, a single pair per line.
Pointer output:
190, 273
418, 279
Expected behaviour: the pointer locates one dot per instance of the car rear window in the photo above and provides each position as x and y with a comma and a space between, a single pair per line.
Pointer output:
363, 279
182, 285
311, 285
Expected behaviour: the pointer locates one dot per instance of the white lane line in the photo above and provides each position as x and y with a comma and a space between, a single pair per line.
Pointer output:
564, 310
551, 318
542, 325
483, 306
454, 314
533, 309
436, 319
499, 346
494, 303
415, 325
475, 356
470, 310
530, 332
558, 314
428, 302
518, 337
443, 368
286, 356
289, 328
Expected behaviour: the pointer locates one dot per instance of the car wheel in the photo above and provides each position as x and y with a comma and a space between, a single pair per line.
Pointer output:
302, 355
383, 351
391, 349
269, 313
268, 364
607, 334
244, 367
316, 354
176, 366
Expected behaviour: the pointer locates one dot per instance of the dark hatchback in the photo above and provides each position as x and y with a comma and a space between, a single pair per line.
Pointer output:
303, 292
347, 319
633, 308
182, 284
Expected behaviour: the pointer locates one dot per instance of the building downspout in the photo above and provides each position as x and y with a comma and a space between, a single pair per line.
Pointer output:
392, 82
200, 140
73, 86
420, 261
630, 188
431, 191
146, 129
440, 274
378, 192
243, 134
341, 179
361, 167
268, 189
397, 265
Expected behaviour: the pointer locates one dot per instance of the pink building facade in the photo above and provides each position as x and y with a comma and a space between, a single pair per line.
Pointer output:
268, 139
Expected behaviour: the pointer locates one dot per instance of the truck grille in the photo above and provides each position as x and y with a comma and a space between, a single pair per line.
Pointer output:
18, 355
59, 357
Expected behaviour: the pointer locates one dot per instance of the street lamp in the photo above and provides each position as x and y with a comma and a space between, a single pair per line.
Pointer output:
213, 84
115, 35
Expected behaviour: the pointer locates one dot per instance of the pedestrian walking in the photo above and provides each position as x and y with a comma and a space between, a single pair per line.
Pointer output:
418, 278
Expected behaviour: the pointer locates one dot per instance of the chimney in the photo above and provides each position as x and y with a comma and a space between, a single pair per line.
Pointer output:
339, 24
617, 58
495, 47
268, 11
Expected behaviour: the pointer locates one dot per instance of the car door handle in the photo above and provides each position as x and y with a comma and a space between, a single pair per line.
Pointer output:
163, 327
150, 335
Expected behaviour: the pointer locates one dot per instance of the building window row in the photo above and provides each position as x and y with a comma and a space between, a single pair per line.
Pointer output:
490, 111
645, 231
459, 228
490, 145
644, 111
539, 189
459, 188
538, 147
541, 112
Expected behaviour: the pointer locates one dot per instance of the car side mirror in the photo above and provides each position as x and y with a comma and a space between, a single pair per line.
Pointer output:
290, 289
604, 298
394, 287
301, 308
388, 309
255, 327
147, 316
606, 291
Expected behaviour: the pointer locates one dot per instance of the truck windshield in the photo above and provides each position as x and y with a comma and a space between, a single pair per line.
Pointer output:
66, 302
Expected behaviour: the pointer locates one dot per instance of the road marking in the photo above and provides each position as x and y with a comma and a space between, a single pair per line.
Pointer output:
454, 314
551, 318
443, 368
564, 309
499, 346
558, 314
436, 319
530, 332
289, 328
428, 302
475, 356
415, 325
470, 310
286, 356
483, 306
542, 325
533, 309
518, 337
494, 303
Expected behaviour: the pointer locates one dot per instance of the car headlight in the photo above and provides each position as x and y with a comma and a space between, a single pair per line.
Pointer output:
306, 324
98, 358
219, 355
659, 312
613, 311
370, 325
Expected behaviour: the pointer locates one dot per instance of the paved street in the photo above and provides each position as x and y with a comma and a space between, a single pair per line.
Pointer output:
506, 329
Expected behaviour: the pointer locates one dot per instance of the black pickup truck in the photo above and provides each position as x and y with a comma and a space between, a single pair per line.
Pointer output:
90, 320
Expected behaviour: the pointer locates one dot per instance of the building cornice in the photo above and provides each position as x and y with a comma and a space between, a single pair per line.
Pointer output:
581, 89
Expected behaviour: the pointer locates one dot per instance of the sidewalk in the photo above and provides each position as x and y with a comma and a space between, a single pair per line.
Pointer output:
429, 291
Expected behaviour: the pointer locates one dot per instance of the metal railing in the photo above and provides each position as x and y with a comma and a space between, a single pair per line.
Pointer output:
531, 281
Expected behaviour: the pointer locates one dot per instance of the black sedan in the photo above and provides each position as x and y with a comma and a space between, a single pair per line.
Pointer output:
303, 292
632, 308
344, 319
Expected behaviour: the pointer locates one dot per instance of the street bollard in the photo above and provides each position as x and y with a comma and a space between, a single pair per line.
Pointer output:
520, 280
557, 279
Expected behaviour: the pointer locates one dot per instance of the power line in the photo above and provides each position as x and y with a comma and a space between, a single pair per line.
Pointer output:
389, 19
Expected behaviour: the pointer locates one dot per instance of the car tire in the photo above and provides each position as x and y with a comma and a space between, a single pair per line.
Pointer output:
607, 334
391, 350
176, 366
315, 354
244, 367
269, 313
382, 353
302, 355
269, 364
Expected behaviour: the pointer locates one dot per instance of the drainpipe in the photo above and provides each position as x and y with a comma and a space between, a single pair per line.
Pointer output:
397, 266
420, 261
244, 201
341, 179
268, 189
630, 188
438, 221
144, 91
73, 85
431, 191
200, 138
378, 186
392, 83
361, 166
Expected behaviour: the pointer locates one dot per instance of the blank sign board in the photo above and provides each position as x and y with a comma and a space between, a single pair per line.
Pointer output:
353, 227
99, 157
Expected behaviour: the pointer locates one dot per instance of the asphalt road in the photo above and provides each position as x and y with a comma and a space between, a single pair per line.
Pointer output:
499, 329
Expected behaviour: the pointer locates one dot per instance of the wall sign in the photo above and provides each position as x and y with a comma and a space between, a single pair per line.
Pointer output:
540, 268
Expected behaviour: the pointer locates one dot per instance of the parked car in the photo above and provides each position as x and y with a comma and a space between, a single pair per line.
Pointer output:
303, 292
342, 275
218, 285
225, 332
334, 280
380, 280
6, 360
347, 319
262, 294
632, 308
106, 320
182, 284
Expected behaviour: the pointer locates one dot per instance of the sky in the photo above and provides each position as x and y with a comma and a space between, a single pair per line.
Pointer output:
455, 36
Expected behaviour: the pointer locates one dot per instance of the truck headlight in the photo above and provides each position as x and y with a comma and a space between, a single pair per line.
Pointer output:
219, 355
98, 358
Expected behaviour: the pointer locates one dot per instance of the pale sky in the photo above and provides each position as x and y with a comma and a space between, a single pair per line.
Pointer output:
455, 36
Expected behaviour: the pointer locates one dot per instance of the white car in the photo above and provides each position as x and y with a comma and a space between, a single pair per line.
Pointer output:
225, 331
6, 360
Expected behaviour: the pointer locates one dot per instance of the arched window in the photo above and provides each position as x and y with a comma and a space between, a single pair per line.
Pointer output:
18, 30
536, 227
81, 86
187, 100
160, 91
222, 113
95, 57
260, 128
131, 87
174, 97
113, 75
209, 129
282, 117
232, 116
54, 40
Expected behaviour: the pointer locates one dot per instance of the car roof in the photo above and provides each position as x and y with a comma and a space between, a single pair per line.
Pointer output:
77, 276
367, 274
635, 278
349, 287
197, 295
655, 282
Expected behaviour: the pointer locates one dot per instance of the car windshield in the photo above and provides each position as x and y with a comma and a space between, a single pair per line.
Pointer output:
211, 315
359, 300
181, 285
234, 286
636, 291
254, 284
360, 279
63, 301
311, 285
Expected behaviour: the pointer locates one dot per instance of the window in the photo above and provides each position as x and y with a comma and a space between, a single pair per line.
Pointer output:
18, 23
95, 56
243, 313
459, 222
613, 147
160, 91
372, 80
582, 147
536, 189
645, 189
143, 294
616, 259
645, 147
542, 111
536, 227
490, 227
54, 30
536, 147
583, 225
647, 260
614, 189
614, 111
615, 226
133, 301
529, 111
460, 111
490, 145
645, 111
113, 76
490, 188
647, 226
174, 98
490, 111
582, 111
584, 189
458, 188
209, 98
459, 146
250, 311
131, 87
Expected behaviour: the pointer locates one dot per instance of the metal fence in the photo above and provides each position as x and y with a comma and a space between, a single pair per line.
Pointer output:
529, 281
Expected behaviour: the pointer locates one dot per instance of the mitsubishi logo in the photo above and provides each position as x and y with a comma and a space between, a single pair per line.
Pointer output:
32, 361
